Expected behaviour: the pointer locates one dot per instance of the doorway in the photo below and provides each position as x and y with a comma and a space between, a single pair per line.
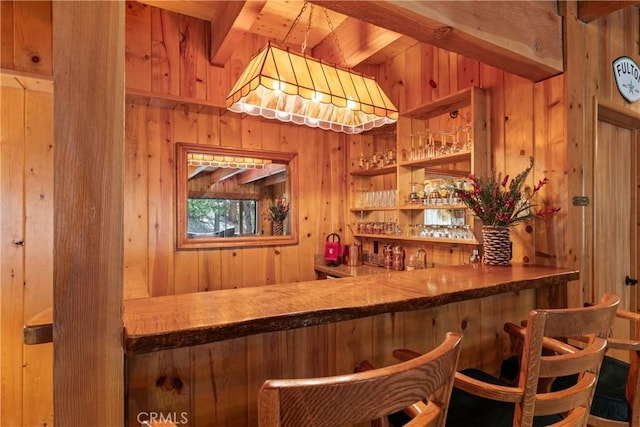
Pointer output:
614, 234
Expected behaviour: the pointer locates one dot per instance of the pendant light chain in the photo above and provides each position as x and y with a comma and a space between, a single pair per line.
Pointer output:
306, 34
295, 22
335, 36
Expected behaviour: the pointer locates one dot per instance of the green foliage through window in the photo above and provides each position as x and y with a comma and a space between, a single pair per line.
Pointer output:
221, 217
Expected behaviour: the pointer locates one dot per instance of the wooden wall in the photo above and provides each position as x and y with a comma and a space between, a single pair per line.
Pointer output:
216, 384
26, 280
151, 134
589, 81
26, 190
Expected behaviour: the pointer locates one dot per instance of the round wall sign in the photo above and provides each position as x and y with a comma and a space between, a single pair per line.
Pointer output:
627, 76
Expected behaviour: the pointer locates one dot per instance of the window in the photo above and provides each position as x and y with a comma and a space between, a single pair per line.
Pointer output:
221, 217
227, 197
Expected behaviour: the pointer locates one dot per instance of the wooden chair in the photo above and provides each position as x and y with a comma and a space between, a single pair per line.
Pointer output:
616, 402
364, 396
479, 399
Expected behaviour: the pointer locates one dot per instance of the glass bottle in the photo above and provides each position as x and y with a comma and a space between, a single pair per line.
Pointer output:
475, 257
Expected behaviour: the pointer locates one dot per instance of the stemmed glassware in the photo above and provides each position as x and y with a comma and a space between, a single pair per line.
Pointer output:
423, 144
431, 145
467, 129
445, 148
456, 146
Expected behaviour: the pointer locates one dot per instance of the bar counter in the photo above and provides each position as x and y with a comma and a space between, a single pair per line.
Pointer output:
160, 323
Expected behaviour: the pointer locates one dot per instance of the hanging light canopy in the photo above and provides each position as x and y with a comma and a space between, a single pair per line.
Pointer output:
292, 87
203, 160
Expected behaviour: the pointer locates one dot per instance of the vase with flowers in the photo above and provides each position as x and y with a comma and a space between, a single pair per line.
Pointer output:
499, 204
278, 212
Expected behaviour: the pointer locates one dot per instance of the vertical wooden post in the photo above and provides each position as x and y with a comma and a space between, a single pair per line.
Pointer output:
88, 51
580, 91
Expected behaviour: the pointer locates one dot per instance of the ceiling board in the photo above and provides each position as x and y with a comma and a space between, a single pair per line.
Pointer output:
490, 31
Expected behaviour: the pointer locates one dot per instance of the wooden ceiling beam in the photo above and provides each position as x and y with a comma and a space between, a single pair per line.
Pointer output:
224, 173
205, 10
196, 170
591, 10
252, 175
521, 37
357, 39
229, 27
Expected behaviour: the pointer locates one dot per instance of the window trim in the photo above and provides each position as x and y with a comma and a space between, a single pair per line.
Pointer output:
183, 241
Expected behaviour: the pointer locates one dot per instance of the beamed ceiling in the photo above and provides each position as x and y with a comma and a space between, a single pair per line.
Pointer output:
523, 37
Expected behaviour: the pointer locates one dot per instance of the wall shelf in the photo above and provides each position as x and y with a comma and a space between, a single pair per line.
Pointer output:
373, 209
416, 239
463, 114
172, 102
446, 160
375, 171
429, 207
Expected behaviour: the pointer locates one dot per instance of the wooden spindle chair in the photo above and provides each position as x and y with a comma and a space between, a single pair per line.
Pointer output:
479, 399
365, 396
616, 402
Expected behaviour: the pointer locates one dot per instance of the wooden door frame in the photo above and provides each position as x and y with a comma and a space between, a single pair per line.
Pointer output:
625, 118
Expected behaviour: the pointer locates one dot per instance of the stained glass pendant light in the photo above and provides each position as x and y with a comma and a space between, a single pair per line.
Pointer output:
293, 87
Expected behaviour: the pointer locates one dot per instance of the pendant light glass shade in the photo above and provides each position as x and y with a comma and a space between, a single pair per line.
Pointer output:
204, 160
291, 87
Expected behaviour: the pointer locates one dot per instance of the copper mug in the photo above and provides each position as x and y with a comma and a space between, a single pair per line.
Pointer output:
353, 254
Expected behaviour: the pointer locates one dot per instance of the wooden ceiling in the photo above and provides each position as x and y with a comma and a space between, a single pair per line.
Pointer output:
523, 37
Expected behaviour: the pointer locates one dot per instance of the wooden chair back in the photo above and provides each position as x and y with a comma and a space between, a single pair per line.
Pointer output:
632, 393
545, 328
364, 396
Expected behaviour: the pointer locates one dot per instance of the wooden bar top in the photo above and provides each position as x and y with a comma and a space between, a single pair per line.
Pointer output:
159, 323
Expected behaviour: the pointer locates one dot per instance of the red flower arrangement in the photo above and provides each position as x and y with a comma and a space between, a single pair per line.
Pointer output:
279, 210
497, 204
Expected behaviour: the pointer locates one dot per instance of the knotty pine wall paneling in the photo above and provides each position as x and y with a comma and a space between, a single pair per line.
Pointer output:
12, 253
38, 253
138, 44
26, 37
590, 49
518, 147
161, 191
549, 244
165, 52
136, 212
185, 278
26, 190
579, 114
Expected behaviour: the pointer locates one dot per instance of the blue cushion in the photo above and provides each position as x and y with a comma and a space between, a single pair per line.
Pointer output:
469, 410
609, 400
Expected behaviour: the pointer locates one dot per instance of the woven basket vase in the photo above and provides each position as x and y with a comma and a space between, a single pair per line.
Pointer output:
278, 228
496, 245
